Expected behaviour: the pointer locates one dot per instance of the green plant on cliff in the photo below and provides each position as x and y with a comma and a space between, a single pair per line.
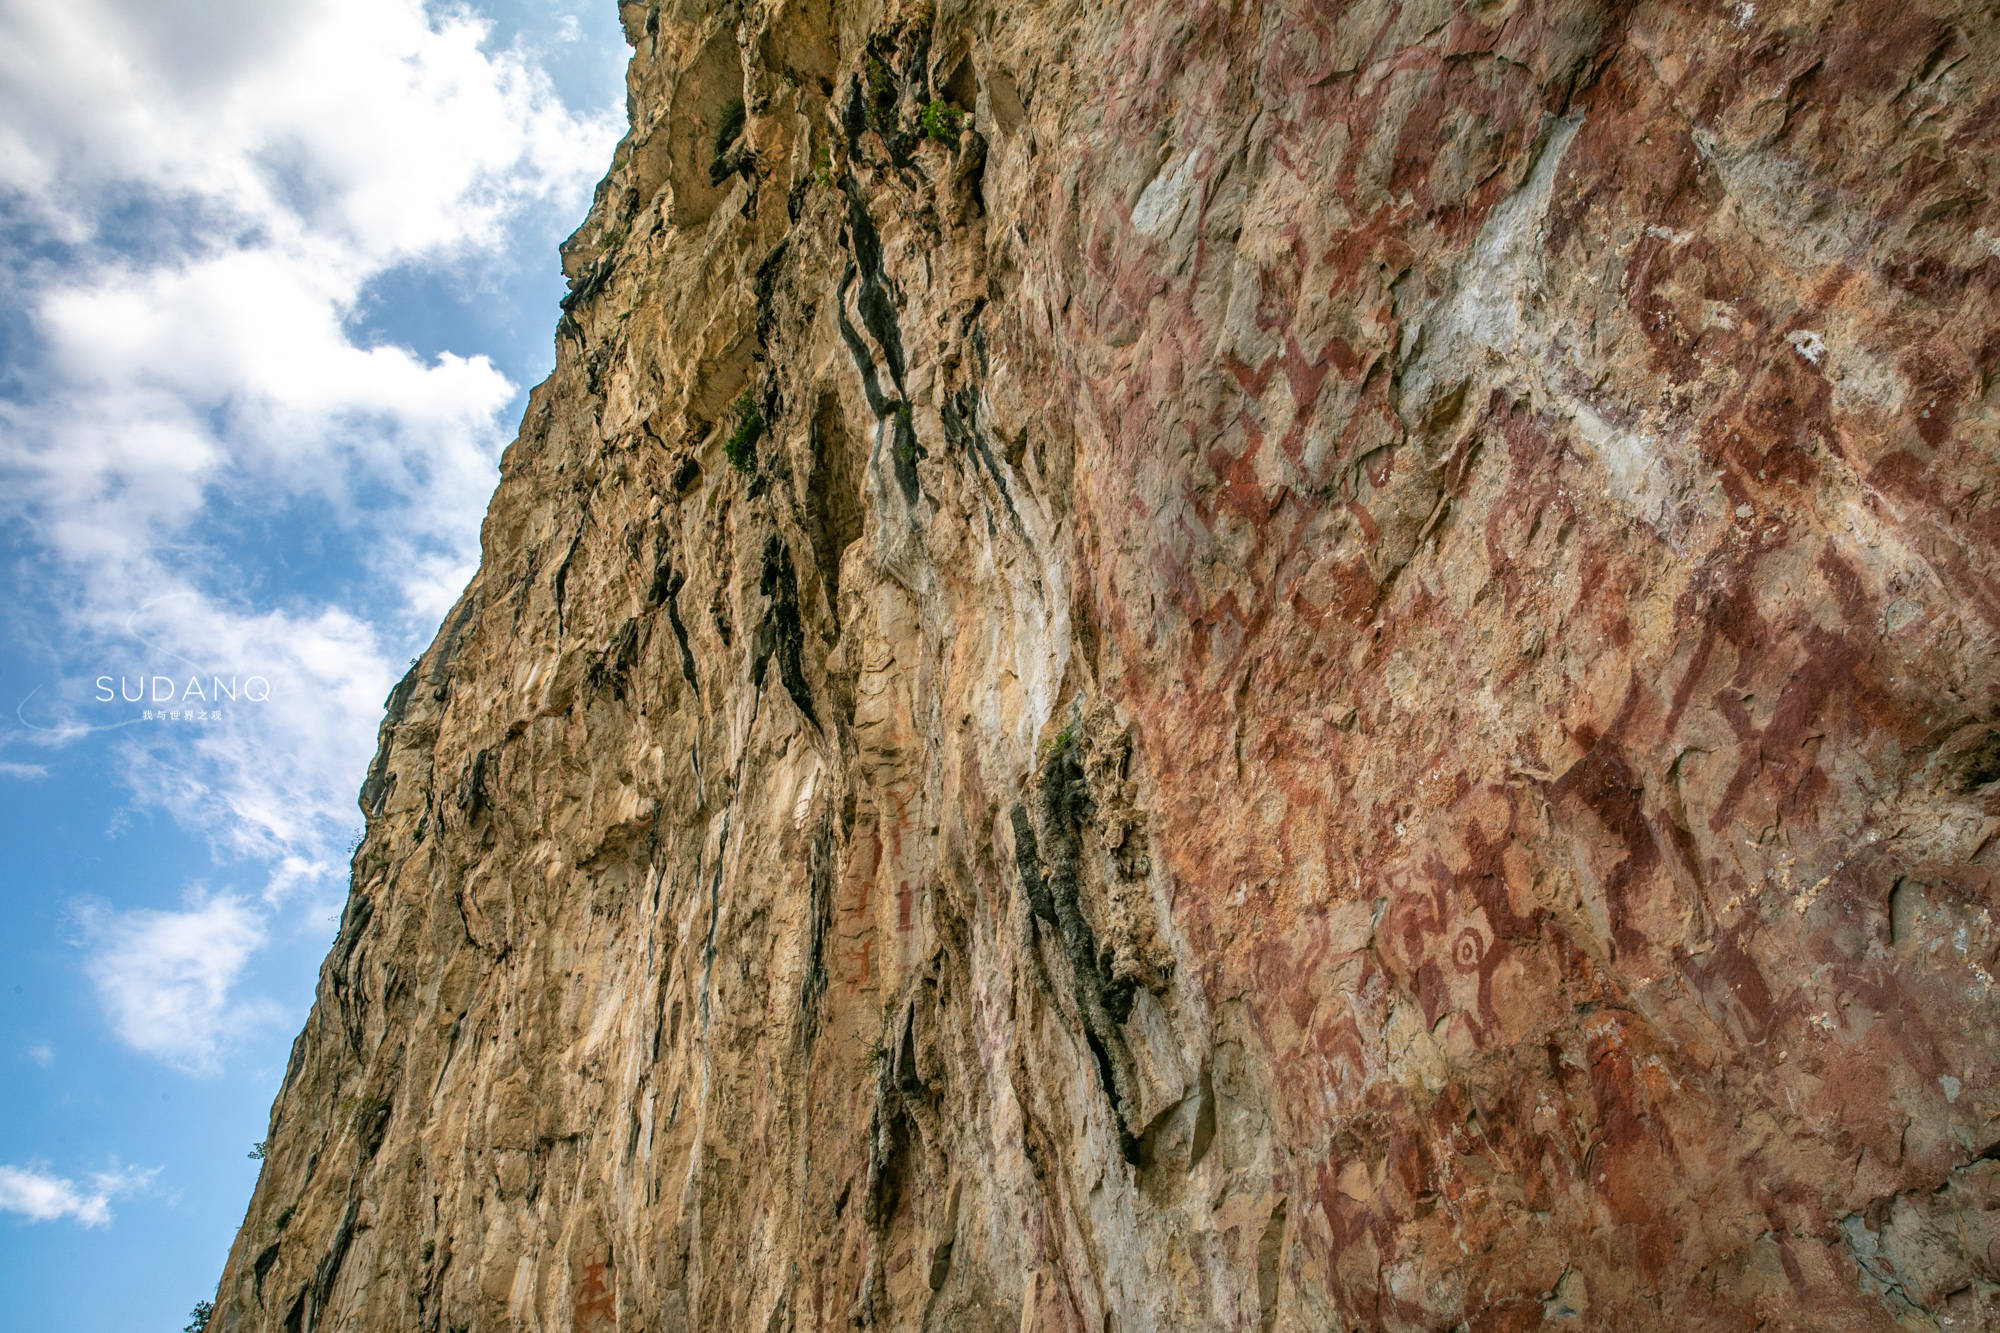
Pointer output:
881, 94
371, 1121
741, 446
199, 1316
941, 121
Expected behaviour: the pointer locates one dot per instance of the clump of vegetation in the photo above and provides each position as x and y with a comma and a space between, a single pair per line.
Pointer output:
941, 121
741, 446
371, 1120
282, 1220
198, 1317
366, 865
881, 94
430, 1248
258, 1149
822, 168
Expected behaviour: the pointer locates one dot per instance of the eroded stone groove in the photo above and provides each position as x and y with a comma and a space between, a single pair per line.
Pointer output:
1180, 666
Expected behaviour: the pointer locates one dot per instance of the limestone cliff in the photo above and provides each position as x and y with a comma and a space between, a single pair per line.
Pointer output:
1208, 665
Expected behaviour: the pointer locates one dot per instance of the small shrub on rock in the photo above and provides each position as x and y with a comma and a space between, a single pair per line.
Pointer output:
741, 446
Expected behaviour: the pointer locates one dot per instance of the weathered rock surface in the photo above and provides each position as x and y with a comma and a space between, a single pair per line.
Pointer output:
1354, 685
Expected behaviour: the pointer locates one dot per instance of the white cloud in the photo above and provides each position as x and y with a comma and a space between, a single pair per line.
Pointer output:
430, 585
40, 1196
294, 873
375, 123
287, 165
42, 1054
231, 185
276, 777
165, 978
281, 159
24, 772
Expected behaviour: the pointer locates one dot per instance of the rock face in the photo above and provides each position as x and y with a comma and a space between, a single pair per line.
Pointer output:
1181, 666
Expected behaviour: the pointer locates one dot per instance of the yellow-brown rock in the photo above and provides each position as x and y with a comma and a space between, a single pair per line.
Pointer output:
1345, 679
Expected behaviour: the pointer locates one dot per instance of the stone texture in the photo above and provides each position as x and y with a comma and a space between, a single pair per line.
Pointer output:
1354, 686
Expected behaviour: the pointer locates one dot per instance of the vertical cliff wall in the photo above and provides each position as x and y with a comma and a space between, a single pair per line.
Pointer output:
1180, 666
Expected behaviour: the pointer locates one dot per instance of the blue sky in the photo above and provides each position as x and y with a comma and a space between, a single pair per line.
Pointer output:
275, 276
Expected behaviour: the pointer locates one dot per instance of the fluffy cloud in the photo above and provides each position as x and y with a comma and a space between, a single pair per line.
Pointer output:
276, 777
215, 196
223, 181
378, 125
165, 977
35, 1194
